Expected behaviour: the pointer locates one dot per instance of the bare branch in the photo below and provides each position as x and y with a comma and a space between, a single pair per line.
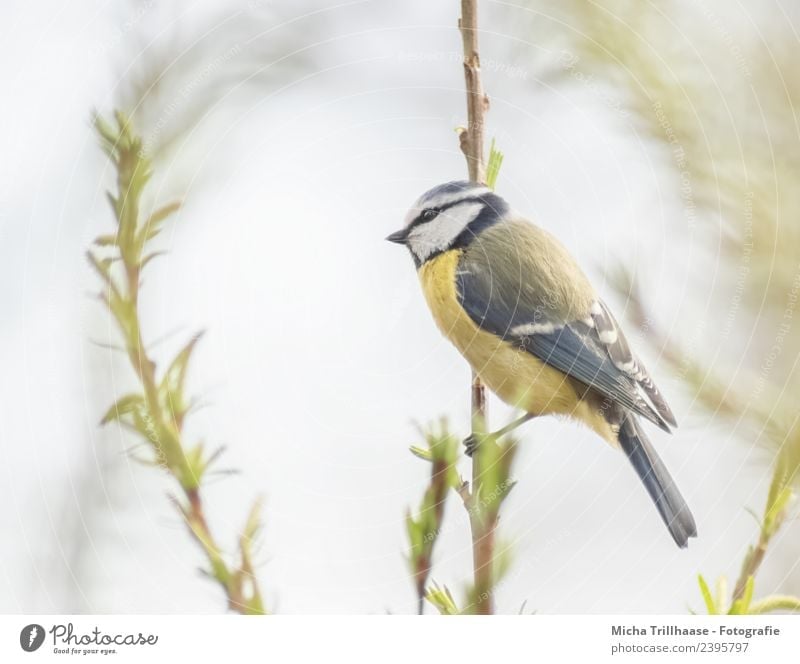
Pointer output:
471, 137
471, 140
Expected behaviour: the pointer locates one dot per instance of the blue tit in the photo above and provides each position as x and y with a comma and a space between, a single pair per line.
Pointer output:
516, 305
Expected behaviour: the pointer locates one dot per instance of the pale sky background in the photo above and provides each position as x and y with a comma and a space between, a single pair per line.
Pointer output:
320, 354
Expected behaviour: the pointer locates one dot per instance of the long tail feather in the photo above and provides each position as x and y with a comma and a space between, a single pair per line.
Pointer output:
658, 482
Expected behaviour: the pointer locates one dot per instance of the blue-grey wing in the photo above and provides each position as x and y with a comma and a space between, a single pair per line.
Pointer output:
609, 333
587, 346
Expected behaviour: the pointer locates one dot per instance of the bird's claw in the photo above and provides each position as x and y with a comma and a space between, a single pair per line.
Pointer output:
471, 443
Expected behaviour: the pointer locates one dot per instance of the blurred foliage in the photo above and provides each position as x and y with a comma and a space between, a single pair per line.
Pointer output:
441, 452
182, 65
491, 486
742, 602
482, 502
717, 604
156, 413
723, 105
443, 600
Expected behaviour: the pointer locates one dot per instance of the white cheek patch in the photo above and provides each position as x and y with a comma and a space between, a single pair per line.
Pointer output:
440, 233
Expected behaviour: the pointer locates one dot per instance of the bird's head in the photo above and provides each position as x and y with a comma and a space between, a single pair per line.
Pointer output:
447, 217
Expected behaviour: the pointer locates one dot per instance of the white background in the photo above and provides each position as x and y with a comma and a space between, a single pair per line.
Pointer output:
320, 354
397, 638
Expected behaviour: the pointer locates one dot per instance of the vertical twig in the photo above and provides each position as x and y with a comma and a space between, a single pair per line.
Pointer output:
424, 528
477, 102
157, 413
471, 140
774, 516
751, 565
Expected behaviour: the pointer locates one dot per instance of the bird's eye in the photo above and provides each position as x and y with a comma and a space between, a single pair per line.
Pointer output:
429, 214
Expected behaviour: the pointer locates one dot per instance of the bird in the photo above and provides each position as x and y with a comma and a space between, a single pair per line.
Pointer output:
513, 301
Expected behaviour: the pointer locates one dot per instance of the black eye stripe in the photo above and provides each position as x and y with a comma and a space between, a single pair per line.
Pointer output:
421, 219
428, 214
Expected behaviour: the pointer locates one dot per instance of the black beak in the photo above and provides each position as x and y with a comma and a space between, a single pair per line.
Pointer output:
399, 237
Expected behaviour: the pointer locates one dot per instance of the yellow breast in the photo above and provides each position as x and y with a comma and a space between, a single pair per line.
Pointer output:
516, 376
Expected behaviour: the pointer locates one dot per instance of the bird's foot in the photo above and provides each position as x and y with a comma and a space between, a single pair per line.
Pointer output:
471, 443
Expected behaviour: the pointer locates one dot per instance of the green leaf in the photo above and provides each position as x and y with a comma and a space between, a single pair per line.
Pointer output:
109, 137
123, 122
423, 454
102, 268
494, 483
415, 536
106, 240
747, 598
146, 426
150, 257
125, 314
776, 603
123, 406
722, 593
493, 166
253, 523
774, 515
742, 606
443, 600
114, 202
162, 213
172, 383
707, 598
152, 226
106, 131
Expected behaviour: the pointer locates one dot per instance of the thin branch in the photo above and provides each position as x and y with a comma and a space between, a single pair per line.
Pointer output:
751, 565
477, 102
157, 414
471, 139
773, 520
